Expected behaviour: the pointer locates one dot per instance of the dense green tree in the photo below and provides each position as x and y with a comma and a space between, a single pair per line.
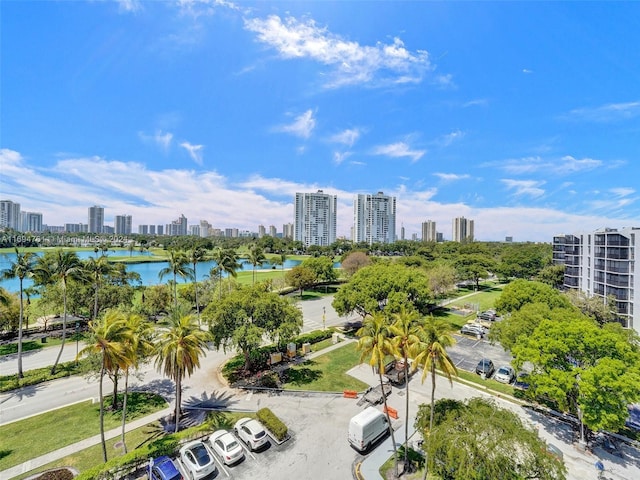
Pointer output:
107, 335
322, 267
243, 318
551, 275
474, 266
301, 277
523, 260
9, 310
476, 440
576, 362
602, 310
431, 354
442, 279
23, 267
96, 270
375, 344
256, 259
197, 255
385, 287
520, 292
155, 300
178, 268
180, 345
354, 261
58, 267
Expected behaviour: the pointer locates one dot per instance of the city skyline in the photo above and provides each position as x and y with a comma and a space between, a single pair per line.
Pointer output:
521, 116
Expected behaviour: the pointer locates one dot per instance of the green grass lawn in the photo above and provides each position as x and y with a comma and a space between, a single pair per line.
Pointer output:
28, 345
327, 373
34, 436
484, 298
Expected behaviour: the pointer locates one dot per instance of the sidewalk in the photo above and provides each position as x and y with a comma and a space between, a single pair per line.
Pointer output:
81, 445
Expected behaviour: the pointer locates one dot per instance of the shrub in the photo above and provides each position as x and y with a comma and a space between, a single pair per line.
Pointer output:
273, 423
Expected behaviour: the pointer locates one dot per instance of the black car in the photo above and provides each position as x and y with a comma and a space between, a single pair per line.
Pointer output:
485, 367
522, 381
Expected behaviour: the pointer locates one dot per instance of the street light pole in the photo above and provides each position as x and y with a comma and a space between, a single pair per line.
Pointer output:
77, 330
324, 316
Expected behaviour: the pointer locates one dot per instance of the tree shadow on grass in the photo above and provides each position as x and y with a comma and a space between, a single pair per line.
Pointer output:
301, 375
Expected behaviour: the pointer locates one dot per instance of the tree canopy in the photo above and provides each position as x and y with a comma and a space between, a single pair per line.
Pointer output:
384, 286
520, 292
476, 440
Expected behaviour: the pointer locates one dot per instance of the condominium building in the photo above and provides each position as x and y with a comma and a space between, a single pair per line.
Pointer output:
287, 230
315, 218
462, 230
177, 227
205, 228
429, 233
374, 218
9, 214
144, 229
30, 222
123, 225
96, 219
602, 263
262, 231
272, 231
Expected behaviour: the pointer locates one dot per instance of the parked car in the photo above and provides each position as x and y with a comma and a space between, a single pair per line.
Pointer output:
197, 460
485, 367
226, 445
470, 329
522, 381
394, 371
163, 468
505, 374
485, 324
489, 315
251, 432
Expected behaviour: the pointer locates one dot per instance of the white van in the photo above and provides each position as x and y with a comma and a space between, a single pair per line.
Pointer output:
367, 427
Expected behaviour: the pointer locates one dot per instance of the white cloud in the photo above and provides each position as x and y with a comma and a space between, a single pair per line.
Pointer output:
566, 165
606, 113
622, 191
129, 6
347, 137
339, 157
195, 151
351, 63
302, 126
159, 138
529, 188
399, 150
482, 102
451, 177
527, 71
449, 138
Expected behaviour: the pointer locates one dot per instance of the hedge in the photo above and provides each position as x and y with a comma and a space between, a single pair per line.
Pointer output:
273, 423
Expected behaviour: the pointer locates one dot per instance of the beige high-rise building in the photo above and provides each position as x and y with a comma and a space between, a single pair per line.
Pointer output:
429, 233
462, 230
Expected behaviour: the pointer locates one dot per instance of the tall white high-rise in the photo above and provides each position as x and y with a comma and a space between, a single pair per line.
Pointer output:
602, 263
9, 214
178, 226
374, 218
96, 219
429, 233
30, 222
462, 230
123, 225
287, 230
315, 218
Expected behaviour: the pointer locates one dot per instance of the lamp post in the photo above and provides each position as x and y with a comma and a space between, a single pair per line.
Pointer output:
77, 331
324, 314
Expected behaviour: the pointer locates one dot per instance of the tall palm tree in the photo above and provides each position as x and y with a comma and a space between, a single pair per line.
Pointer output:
96, 270
197, 255
180, 344
375, 344
406, 335
108, 336
59, 268
229, 263
256, 257
22, 268
177, 267
139, 345
431, 354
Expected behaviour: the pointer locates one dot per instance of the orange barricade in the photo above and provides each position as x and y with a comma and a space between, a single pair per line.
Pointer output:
350, 394
393, 413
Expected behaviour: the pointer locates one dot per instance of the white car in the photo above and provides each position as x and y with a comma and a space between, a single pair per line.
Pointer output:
251, 432
505, 374
226, 445
197, 460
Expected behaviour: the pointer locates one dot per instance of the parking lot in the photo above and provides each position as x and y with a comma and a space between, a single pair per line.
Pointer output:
468, 351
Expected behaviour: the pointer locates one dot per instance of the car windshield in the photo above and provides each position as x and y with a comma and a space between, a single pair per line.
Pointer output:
201, 454
504, 371
260, 434
231, 445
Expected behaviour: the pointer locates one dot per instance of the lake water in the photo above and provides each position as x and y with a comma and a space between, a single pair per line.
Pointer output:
148, 271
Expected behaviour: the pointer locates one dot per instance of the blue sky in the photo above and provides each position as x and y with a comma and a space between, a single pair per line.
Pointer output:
524, 116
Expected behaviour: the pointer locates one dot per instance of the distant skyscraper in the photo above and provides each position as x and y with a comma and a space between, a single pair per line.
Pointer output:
272, 231
205, 229
178, 226
143, 229
9, 214
374, 218
287, 230
462, 230
159, 230
152, 230
30, 222
96, 219
123, 225
315, 218
429, 233
262, 231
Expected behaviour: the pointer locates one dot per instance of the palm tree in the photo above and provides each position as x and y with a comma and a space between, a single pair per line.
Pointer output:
229, 263
139, 345
256, 257
108, 342
22, 268
180, 345
96, 270
196, 255
405, 330
431, 353
59, 268
375, 343
177, 267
